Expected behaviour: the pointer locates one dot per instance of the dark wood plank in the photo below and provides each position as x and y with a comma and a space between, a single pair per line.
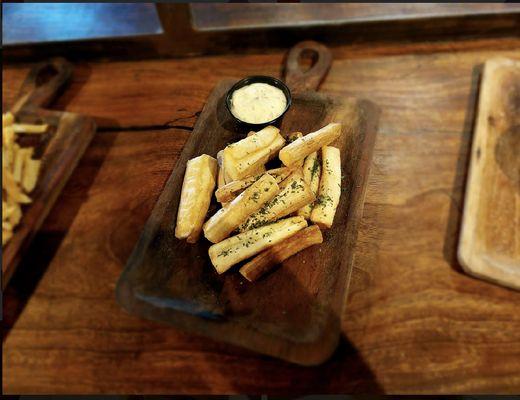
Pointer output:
59, 150
489, 243
414, 323
292, 314
241, 16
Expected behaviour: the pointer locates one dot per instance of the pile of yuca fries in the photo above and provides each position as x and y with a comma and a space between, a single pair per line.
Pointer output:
264, 213
19, 172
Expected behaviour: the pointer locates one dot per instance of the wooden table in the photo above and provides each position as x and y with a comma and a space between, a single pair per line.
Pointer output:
414, 322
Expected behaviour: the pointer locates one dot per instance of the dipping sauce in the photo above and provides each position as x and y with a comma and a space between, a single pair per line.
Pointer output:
258, 103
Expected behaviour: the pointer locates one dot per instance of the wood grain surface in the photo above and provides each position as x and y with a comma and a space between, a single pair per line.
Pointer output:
489, 245
293, 314
59, 150
414, 323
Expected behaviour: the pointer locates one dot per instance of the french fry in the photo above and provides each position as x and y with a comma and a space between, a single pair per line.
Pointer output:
197, 188
19, 158
8, 136
13, 190
15, 214
311, 176
225, 254
302, 147
19, 172
7, 119
294, 195
268, 259
330, 188
30, 174
6, 235
227, 219
30, 128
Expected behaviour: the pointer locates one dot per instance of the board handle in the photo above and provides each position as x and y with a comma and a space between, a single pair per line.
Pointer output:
300, 80
43, 83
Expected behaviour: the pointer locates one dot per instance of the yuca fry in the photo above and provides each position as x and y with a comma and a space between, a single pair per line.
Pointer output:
294, 195
292, 138
197, 188
225, 254
228, 192
227, 219
240, 168
330, 188
311, 176
248, 165
268, 259
301, 148
231, 190
253, 143
220, 179
30, 128
260, 170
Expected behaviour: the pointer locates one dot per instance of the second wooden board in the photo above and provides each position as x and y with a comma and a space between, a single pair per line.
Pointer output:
292, 313
490, 237
59, 150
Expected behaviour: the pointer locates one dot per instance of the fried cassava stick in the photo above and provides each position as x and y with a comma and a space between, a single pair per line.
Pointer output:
246, 156
268, 259
292, 137
330, 188
225, 220
197, 188
253, 142
294, 195
311, 176
231, 190
302, 147
232, 250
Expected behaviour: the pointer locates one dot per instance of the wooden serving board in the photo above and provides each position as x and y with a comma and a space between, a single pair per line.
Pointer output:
489, 245
294, 312
60, 150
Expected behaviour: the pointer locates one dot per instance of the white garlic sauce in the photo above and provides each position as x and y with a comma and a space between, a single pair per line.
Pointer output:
258, 103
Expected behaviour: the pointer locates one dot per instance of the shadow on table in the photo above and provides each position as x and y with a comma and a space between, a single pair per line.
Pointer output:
458, 190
